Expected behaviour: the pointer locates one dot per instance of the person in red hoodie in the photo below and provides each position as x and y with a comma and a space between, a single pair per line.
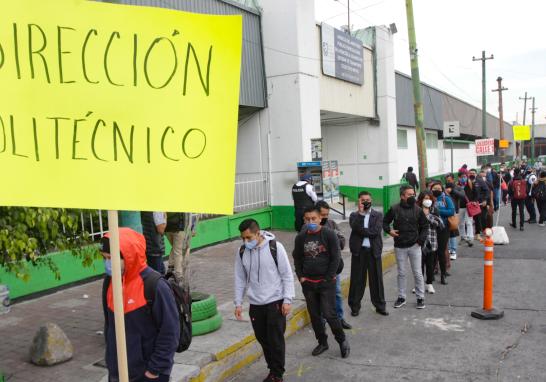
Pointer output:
152, 330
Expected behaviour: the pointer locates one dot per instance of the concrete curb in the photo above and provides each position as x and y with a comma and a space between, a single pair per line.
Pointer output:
242, 353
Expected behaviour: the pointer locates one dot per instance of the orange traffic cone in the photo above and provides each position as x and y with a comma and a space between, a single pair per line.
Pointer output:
488, 312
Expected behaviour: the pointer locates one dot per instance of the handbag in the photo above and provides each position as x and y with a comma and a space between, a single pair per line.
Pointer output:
453, 222
472, 208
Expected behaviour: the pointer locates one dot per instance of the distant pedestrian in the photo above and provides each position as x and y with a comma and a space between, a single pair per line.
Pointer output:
152, 329
153, 228
539, 193
409, 230
175, 234
303, 195
316, 260
263, 272
325, 221
446, 209
456, 193
517, 189
531, 178
411, 178
466, 222
366, 244
426, 201
464, 169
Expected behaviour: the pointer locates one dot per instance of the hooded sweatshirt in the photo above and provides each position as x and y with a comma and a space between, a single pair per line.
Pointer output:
151, 334
258, 275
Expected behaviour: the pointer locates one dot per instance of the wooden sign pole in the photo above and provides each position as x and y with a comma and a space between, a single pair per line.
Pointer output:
119, 315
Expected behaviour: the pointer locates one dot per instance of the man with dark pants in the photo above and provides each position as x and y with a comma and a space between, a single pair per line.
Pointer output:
304, 196
517, 189
153, 229
531, 178
263, 271
366, 246
316, 261
325, 221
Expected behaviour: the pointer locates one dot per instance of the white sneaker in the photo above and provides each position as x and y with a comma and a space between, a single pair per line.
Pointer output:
413, 291
541, 224
429, 288
453, 256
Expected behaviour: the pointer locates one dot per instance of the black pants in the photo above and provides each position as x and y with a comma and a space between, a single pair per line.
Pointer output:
298, 223
321, 302
530, 205
541, 204
365, 265
515, 205
443, 238
483, 218
269, 326
428, 262
161, 378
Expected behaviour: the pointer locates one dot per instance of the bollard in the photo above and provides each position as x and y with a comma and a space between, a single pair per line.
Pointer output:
488, 312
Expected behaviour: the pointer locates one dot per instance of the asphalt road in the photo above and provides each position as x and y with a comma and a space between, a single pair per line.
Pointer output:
443, 342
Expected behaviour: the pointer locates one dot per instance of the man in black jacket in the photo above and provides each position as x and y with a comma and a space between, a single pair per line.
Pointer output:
410, 231
366, 245
316, 261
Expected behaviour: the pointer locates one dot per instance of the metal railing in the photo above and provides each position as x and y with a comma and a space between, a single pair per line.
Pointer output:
251, 192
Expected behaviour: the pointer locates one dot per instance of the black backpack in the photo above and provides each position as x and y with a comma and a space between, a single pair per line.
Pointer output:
183, 304
539, 192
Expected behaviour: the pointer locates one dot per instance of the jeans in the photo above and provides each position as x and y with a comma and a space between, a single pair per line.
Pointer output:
496, 195
466, 225
156, 263
452, 244
339, 298
414, 255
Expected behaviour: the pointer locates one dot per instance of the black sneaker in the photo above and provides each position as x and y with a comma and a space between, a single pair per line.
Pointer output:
420, 303
400, 302
345, 325
321, 348
345, 349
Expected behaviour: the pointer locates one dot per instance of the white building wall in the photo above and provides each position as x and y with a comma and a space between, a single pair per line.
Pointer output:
293, 113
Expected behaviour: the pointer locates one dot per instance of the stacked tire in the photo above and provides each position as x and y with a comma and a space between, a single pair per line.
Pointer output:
204, 314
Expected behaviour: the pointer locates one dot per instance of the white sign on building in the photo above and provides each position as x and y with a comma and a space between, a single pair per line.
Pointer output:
485, 147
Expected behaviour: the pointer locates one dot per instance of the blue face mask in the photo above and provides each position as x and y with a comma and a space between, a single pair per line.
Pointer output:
251, 244
312, 226
108, 267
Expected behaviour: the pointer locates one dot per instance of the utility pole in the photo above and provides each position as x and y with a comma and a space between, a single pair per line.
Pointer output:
500, 89
349, 17
484, 112
533, 110
524, 114
418, 105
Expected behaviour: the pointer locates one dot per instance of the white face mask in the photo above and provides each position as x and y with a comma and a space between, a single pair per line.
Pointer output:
427, 203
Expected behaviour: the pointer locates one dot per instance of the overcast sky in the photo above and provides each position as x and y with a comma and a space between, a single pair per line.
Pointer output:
450, 32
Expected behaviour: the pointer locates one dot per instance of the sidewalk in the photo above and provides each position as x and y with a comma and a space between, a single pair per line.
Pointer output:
78, 312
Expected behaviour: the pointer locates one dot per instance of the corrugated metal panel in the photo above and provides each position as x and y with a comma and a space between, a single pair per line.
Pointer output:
252, 65
432, 104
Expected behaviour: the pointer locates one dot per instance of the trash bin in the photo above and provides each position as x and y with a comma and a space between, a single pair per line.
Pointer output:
4, 302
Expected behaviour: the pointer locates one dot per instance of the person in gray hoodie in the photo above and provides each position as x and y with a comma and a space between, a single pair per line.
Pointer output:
262, 270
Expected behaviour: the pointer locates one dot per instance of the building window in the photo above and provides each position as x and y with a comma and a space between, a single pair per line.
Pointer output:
402, 139
432, 140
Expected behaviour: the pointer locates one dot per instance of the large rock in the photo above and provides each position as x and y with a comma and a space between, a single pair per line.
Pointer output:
50, 346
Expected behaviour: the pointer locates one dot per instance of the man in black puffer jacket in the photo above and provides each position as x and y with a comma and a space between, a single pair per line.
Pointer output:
409, 230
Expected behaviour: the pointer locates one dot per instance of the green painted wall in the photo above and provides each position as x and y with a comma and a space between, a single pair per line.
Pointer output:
41, 278
282, 217
351, 192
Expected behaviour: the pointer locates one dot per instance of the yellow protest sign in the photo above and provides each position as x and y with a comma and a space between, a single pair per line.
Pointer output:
117, 107
522, 133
